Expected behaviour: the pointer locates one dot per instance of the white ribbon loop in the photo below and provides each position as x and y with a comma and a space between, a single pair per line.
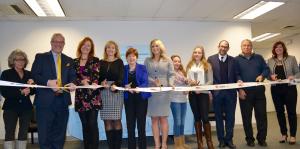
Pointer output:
164, 89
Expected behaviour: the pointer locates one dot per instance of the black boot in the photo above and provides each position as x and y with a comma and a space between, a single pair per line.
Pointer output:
110, 139
118, 139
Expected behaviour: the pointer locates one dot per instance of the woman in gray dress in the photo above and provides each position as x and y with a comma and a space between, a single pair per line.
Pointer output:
161, 74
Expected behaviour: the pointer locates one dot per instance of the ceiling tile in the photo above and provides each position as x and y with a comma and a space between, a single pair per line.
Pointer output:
143, 9
174, 8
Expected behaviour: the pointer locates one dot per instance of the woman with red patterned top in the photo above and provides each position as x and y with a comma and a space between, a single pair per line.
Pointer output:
87, 101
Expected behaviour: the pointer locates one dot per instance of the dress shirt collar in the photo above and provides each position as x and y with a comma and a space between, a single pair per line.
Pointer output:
222, 58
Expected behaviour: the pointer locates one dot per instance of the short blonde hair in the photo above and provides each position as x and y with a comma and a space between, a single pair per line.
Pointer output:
13, 55
109, 43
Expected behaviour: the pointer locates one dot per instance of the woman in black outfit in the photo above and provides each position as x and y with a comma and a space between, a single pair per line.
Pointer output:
284, 66
111, 76
17, 105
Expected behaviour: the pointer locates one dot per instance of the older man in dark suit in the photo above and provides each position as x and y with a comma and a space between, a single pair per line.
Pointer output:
53, 69
224, 101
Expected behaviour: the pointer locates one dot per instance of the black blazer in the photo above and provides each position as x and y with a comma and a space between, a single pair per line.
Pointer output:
232, 70
14, 100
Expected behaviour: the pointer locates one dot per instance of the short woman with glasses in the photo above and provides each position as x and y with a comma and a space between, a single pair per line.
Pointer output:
17, 105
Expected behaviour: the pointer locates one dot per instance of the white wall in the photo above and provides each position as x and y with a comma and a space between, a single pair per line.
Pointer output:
179, 37
293, 46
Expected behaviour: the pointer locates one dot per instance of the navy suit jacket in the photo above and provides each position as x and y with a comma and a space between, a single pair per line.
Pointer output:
141, 79
43, 69
232, 71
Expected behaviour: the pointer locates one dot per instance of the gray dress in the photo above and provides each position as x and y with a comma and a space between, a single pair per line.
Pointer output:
159, 103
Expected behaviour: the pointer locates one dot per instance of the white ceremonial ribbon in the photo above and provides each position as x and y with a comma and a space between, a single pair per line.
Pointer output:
164, 89
14, 84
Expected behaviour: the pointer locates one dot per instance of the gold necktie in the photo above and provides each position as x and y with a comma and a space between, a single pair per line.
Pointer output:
58, 71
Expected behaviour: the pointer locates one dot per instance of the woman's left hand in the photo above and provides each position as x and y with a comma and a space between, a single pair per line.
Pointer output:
94, 84
136, 91
113, 88
25, 91
173, 87
30, 81
291, 78
131, 91
71, 86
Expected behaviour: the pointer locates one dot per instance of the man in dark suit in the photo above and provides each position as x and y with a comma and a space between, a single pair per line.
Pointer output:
53, 69
224, 101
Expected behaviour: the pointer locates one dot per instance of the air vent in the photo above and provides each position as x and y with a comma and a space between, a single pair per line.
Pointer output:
17, 9
289, 27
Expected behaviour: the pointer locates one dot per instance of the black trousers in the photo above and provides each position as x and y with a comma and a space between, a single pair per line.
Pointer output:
90, 128
255, 99
200, 106
136, 110
11, 118
284, 95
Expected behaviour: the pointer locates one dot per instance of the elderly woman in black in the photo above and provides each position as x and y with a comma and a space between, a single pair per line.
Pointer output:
17, 105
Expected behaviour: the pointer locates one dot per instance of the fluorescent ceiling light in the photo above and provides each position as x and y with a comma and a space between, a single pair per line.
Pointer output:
55, 7
36, 8
264, 36
43, 8
258, 9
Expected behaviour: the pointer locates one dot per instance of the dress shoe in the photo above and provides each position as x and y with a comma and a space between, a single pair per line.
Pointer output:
230, 145
250, 143
262, 143
222, 145
283, 139
292, 141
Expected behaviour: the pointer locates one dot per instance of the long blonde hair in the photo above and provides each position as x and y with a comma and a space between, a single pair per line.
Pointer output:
203, 60
162, 49
109, 43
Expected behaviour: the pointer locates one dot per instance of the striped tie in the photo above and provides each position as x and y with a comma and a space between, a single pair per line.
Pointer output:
58, 71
